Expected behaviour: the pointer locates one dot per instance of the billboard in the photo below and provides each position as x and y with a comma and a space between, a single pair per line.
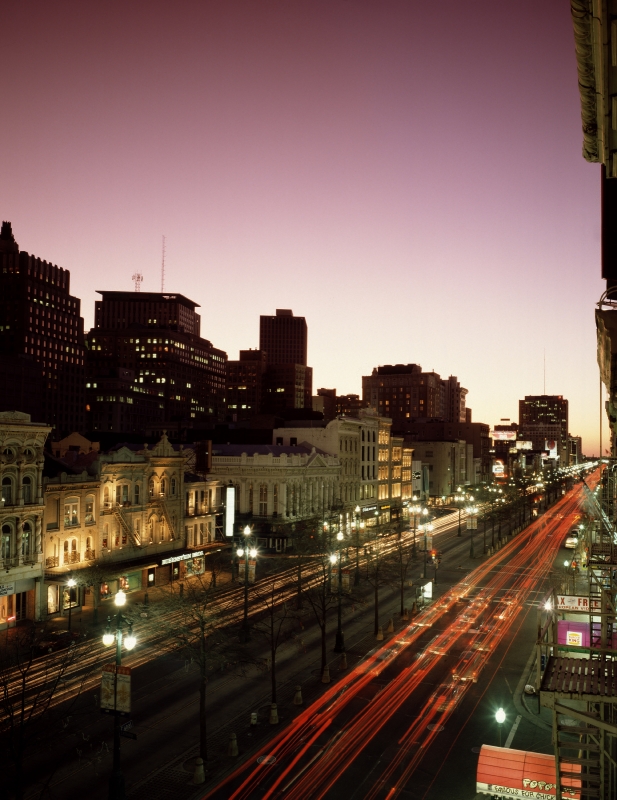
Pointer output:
551, 446
524, 445
503, 436
499, 468
230, 509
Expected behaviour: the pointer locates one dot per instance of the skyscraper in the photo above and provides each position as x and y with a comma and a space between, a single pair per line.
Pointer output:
147, 365
283, 338
40, 321
544, 418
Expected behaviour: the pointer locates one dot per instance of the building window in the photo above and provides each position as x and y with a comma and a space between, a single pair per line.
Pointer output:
136, 494
173, 487
263, 500
275, 498
250, 498
163, 487
5, 550
7, 491
27, 488
26, 539
90, 511
71, 513
151, 487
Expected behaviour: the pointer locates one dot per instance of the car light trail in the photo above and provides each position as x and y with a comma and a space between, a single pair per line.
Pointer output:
528, 558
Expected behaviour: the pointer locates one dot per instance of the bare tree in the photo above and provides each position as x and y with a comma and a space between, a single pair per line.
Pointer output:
398, 566
31, 684
320, 599
377, 566
275, 622
196, 630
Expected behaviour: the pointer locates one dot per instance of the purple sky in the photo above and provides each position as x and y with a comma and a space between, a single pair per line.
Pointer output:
406, 175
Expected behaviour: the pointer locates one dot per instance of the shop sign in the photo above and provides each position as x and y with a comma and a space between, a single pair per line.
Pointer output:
567, 602
183, 557
574, 638
7, 589
195, 566
116, 689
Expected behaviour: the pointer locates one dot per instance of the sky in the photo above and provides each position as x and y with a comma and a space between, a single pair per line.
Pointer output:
406, 175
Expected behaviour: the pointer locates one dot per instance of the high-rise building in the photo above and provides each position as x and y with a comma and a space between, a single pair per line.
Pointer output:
286, 386
405, 393
543, 419
245, 377
147, 365
284, 338
40, 321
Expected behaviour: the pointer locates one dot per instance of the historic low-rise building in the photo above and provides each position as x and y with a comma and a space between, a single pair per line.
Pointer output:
277, 485
126, 521
21, 515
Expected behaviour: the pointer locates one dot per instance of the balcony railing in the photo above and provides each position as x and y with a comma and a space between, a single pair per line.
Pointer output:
72, 558
90, 555
52, 561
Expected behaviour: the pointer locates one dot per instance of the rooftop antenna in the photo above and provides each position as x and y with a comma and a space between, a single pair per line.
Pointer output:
137, 279
544, 371
163, 268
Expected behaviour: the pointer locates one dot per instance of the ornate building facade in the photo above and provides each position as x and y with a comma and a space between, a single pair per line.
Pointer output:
21, 516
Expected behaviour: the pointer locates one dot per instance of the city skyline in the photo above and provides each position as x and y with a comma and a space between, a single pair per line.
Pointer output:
339, 159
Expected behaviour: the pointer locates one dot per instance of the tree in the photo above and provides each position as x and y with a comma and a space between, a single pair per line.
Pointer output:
377, 566
31, 682
398, 565
275, 623
196, 631
320, 599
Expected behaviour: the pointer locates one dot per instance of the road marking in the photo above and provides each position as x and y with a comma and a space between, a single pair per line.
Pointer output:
513, 731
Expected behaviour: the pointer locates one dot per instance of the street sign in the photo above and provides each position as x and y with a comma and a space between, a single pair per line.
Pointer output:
126, 725
128, 734
116, 689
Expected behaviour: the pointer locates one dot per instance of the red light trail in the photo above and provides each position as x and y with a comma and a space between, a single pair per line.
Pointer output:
503, 583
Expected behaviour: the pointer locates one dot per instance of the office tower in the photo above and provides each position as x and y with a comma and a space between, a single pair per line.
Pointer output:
245, 377
544, 418
283, 338
40, 323
147, 365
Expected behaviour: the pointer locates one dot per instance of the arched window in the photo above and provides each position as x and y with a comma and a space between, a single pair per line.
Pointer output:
173, 487
5, 548
163, 487
67, 559
90, 511
151, 487
106, 496
27, 487
7, 491
26, 539
136, 494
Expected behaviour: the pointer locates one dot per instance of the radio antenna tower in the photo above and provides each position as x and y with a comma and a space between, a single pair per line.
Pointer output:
163, 268
137, 279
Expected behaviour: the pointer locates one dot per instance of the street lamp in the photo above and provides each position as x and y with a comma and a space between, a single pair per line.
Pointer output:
426, 527
246, 551
70, 583
116, 780
458, 499
500, 717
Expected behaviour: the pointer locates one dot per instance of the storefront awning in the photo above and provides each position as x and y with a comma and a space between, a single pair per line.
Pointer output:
503, 772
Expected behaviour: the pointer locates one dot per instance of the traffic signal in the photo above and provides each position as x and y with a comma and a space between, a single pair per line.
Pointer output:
438, 557
433, 554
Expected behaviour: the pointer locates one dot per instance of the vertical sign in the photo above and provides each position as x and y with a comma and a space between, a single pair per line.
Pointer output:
230, 509
252, 564
345, 577
429, 541
241, 565
116, 689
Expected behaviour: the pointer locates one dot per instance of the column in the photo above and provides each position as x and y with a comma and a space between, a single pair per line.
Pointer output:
20, 535
38, 539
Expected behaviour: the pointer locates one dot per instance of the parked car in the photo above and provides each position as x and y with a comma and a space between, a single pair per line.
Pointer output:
57, 640
571, 542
